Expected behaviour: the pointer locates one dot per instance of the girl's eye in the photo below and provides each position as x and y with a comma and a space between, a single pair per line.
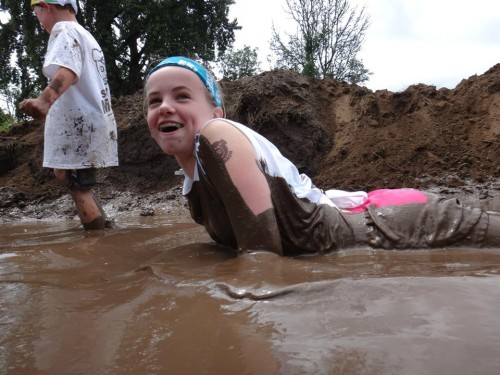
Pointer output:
153, 101
183, 96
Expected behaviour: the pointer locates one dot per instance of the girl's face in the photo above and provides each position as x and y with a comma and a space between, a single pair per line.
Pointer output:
178, 106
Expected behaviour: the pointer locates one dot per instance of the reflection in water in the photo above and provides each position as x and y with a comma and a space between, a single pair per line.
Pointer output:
156, 297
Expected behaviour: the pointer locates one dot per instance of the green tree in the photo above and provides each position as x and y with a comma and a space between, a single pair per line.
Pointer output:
133, 35
240, 63
328, 38
22, 46
6, 120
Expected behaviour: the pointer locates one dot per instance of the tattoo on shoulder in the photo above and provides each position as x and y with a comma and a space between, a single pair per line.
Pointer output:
222, 151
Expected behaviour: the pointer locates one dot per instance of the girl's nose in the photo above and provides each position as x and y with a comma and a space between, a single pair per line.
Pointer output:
166, 107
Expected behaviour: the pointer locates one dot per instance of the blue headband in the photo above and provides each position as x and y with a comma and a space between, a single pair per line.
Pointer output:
196, 68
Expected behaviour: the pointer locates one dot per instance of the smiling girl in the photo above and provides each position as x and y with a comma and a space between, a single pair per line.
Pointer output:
249, 197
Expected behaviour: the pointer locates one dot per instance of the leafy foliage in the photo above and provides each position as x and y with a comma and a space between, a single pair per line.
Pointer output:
133, 35
328, 38
241, 63
21, 39
6, 121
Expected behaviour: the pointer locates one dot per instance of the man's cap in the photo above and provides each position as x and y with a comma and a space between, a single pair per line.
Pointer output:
60, 2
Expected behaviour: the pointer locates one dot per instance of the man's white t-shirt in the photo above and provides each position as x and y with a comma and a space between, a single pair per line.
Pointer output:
80, 128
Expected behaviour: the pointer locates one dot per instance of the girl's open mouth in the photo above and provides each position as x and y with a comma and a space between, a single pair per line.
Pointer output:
170, 127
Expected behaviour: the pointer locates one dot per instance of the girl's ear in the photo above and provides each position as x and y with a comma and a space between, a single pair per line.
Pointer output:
218, 112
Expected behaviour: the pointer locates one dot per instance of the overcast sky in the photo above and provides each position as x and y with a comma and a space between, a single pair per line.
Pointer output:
437, 42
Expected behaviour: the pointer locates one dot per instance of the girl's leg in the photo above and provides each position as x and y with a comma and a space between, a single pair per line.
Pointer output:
438, 223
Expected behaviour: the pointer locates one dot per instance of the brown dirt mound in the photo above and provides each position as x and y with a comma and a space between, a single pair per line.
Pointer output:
343, 136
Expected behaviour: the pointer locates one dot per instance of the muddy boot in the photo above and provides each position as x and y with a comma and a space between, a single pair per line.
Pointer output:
96, 224
108, 223
101, 222
492, 237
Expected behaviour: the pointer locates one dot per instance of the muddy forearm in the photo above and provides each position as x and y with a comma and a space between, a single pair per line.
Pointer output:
62, 80
40, 106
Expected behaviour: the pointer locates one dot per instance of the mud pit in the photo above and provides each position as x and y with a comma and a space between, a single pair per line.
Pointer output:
137, 299
343, 136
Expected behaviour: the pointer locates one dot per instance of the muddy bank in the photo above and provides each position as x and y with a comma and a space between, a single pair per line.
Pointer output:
343, 136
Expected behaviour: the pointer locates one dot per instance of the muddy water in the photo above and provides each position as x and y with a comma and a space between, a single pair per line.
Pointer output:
158, 297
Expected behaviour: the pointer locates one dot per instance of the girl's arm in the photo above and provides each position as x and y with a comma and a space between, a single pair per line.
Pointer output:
230, 162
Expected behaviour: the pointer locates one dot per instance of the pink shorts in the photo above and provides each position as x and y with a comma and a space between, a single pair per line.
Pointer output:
391, 197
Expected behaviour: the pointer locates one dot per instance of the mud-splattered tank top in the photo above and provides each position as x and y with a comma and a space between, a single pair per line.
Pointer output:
307, 220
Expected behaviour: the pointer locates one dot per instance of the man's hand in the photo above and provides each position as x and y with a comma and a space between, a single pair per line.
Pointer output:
39, 107
36, 108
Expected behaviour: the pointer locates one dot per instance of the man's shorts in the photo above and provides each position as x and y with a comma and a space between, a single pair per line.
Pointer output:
83, 179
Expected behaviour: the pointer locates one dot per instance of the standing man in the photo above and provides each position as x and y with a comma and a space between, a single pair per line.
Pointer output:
80, 127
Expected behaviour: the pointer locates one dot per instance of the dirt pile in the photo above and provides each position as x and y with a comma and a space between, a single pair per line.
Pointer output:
343, 136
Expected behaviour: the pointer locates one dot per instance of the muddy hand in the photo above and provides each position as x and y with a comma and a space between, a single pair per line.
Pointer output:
34, 107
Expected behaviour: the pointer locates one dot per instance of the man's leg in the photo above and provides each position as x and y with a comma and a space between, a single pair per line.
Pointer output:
80, 183
89, 209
